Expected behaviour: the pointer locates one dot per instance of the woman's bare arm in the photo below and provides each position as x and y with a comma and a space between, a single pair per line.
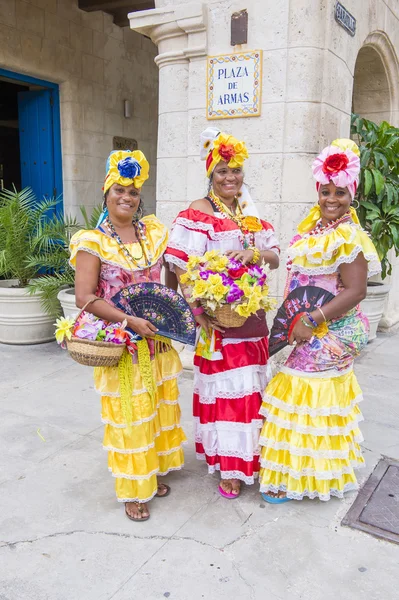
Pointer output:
86, 282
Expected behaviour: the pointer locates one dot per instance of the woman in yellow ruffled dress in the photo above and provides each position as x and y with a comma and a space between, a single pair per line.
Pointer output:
310, 439
142, 435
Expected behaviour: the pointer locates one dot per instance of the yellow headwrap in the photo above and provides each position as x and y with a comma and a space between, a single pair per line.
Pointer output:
126, 167
223, 147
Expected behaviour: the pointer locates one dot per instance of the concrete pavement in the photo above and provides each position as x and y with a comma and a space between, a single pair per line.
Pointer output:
64, 537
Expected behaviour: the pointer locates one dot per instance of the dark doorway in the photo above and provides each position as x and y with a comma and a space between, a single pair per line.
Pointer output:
10, 162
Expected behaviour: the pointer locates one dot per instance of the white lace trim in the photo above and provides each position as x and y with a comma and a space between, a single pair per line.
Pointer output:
131, 451
207, 227
138, 500
171, 451
293, 252
231, 395
316, 454
174, 260
316, 375
228, 425
176, 245
319, 475
144, 448
133, 477
141, 477
324, 411
317, 431
374, 266
115, 263
140, 422
252, 369
138, 392
312, 495
228, 341
229, 474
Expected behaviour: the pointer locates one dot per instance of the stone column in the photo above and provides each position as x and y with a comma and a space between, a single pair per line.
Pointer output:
180, 34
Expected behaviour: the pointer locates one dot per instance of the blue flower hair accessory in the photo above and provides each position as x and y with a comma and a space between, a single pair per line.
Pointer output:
129, 167
126, 167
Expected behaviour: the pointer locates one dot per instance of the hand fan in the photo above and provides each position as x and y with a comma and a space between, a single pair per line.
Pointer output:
302, 299
160, 305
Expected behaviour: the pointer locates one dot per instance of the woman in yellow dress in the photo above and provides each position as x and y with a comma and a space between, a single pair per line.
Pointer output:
128, 248
310, 439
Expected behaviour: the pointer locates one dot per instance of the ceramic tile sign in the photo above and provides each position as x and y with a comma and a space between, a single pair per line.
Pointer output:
234, 85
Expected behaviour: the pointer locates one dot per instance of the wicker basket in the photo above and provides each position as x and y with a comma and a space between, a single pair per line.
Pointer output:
227, 317
94, 354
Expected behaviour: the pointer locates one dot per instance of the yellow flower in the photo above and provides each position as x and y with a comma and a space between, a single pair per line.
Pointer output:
243, 310
194, 261
321, 330
185, 278
210, 255
219, 291
219, 264
200, 288
252, 224
64, 329
214, 279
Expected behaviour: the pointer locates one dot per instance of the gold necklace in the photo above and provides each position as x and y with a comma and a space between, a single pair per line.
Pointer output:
236, 217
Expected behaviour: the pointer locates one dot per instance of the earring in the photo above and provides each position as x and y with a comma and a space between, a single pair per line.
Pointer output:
139, 212
355, 206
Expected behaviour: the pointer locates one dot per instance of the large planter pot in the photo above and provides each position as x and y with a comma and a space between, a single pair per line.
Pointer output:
22, 319
373, 305
67, 301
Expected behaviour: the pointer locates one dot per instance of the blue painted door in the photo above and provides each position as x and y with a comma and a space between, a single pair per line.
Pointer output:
36, 136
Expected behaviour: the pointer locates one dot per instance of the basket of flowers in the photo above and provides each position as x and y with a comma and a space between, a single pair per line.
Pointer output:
229, 291
91, 341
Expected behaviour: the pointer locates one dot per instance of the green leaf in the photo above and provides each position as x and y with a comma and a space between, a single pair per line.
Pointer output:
368, 181
376, 228
379, 180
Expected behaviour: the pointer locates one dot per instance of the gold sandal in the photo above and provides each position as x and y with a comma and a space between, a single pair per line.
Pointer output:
140, 509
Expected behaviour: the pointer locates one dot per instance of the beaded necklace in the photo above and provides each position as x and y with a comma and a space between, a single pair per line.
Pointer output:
320, 229
237, 217
141, 238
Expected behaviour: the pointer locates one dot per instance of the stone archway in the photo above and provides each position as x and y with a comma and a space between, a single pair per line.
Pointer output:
376, 80
376, 97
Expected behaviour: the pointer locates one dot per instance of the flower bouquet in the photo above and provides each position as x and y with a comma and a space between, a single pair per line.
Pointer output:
228, 291
90, 340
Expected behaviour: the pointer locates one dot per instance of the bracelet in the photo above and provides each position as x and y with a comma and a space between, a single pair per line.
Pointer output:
197, 311
306, 324
311, 319
256, 255
323, 315
294, 322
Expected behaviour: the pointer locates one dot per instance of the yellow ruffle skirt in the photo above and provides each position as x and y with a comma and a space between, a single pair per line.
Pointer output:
310, 439
150, 445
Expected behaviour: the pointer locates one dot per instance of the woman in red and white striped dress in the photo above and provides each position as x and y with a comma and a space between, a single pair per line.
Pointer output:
230, 366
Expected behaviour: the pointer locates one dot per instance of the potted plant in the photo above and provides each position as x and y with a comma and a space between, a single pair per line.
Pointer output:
22, 218
56, 287
378, 196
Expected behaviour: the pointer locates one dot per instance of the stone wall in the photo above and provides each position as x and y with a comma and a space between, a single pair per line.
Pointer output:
308, 76
98, 65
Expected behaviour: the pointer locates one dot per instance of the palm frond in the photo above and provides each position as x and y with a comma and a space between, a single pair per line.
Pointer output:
90, 222
48, 287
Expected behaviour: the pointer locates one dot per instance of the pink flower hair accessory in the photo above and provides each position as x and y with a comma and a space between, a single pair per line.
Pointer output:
340, 164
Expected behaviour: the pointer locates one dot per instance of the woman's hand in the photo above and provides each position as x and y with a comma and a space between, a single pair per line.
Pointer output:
243, 256
141, 326
207, 323
300, 333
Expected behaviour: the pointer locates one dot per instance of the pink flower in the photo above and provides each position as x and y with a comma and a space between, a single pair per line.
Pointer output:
342, 170
303, 279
